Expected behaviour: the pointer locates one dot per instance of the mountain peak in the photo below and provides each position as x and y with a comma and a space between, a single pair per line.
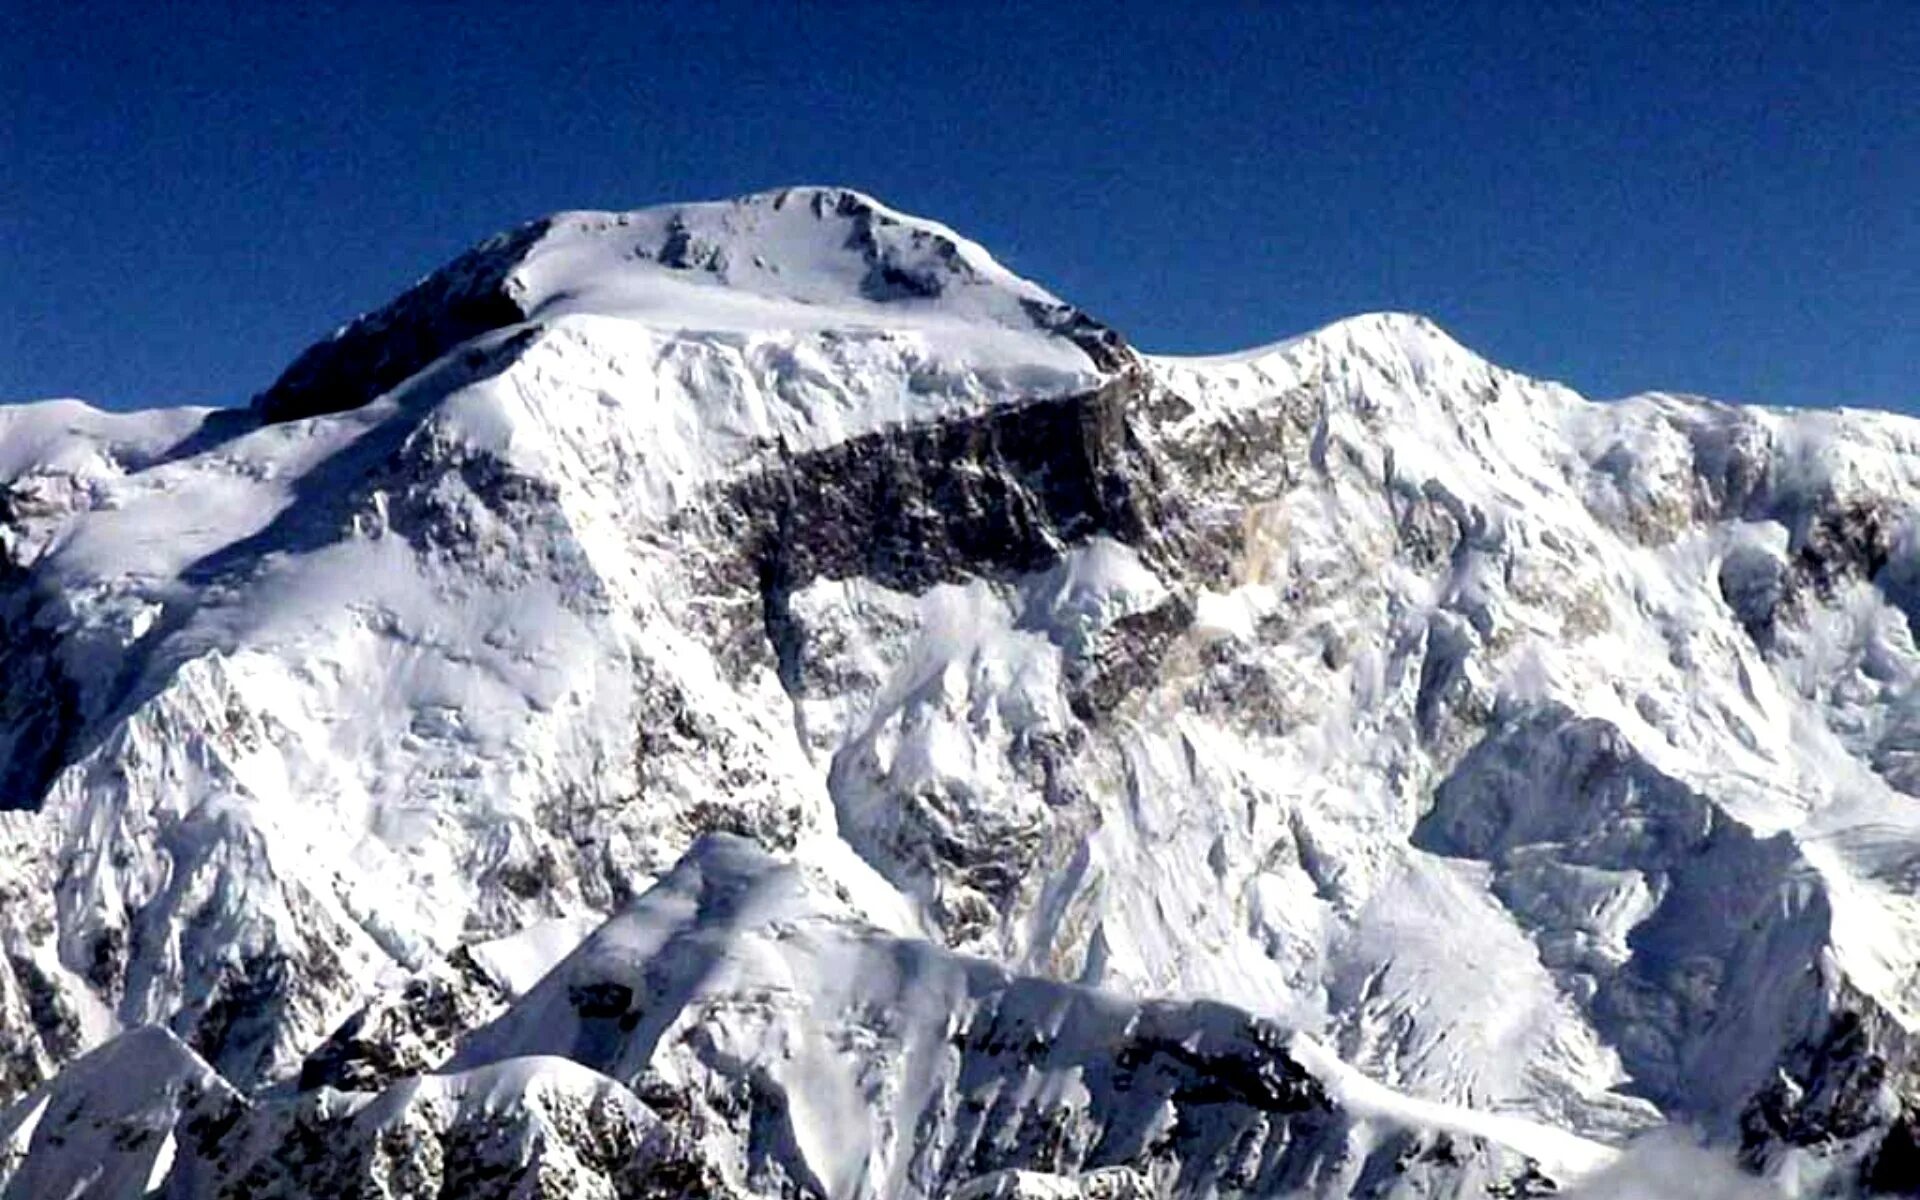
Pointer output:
795, 259
818, 245
1387, 332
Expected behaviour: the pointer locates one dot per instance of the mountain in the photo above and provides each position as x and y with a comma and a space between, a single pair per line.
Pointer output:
754, 699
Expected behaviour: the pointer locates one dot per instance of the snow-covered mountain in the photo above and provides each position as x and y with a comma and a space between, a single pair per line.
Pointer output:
754, 699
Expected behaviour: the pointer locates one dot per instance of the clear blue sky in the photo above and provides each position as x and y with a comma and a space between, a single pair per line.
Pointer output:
1723, 200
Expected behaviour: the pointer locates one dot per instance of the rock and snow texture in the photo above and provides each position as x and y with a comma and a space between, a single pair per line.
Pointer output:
754, 699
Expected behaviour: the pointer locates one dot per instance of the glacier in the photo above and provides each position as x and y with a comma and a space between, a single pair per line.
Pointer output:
755, 699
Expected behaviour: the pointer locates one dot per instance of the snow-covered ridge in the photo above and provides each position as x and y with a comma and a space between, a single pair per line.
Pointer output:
1354, 704
806, 261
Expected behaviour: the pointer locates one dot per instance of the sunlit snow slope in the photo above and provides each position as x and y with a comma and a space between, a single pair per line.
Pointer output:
754, 699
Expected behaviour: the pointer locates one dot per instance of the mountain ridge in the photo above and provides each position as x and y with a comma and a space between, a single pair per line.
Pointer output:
1523, 753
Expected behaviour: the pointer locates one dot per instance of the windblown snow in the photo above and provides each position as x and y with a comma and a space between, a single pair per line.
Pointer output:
754, 699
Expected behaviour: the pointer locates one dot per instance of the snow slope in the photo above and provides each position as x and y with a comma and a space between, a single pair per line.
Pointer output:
1495, 773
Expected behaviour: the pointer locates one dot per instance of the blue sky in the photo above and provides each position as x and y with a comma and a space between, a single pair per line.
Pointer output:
1722, 199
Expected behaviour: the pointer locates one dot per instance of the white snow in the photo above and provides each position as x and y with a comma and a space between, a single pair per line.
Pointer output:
1469, 739
518, 961
1566, 1158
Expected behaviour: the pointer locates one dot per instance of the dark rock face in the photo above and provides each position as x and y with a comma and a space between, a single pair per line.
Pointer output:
1761, 589
1895, 1168
994, 495
378, 351
1101, 343
1842, 541
41, 708
39, 705
407, 1033
1835, 542
1125, 659
1849, 1086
